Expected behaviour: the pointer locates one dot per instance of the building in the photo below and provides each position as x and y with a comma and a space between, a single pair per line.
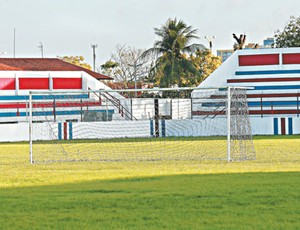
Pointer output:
224, 54
267, 43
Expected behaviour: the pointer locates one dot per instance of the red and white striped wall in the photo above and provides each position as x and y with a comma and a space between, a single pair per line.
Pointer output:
47, 82
273, 75
274, 78
16, 85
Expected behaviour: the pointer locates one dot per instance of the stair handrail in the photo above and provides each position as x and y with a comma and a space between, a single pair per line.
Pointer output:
117, 103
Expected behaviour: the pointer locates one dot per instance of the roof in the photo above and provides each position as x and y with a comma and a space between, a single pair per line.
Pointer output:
44, 64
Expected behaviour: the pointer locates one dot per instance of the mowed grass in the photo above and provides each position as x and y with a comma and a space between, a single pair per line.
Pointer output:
260, 194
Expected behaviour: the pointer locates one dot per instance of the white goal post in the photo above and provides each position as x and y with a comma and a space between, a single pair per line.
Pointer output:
140, 125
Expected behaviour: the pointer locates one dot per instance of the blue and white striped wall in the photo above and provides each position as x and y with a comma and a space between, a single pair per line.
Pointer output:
275, 126
65, 131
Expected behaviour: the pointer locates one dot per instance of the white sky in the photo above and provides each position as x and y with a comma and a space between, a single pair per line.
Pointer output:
69, 27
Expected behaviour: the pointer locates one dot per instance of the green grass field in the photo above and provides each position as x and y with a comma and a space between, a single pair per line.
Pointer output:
260, 194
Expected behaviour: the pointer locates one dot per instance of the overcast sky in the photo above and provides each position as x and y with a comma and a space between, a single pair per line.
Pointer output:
69, 27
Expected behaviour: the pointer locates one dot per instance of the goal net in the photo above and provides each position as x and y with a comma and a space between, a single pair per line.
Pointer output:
146, 125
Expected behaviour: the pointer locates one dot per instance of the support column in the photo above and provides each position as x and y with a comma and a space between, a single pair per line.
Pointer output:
228, 123
156, 117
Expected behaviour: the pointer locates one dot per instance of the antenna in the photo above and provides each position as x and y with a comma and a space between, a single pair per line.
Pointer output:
94, 46
41, 46
210, 41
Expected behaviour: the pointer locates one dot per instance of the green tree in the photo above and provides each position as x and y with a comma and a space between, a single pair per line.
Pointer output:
109, 64
290, 35
172, 65
108, 67
76, 60
206, 63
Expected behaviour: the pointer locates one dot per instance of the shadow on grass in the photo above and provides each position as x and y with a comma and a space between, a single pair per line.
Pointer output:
252, 200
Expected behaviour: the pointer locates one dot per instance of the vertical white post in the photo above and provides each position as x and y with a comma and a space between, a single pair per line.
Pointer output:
26, 104
228, 122
131, 111
106, 109
280, 59
178, 110
30, 127
17, 84
50, 82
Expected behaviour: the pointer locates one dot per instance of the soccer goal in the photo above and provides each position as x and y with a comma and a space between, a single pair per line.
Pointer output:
140, 125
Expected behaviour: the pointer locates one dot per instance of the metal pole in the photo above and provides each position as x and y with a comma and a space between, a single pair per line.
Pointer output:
138, 90
135, 82
297, 105
135, 66
14, 45
156, 117
135, 87
94, 56
41, 46
131, 111
26, 104
106, 110
261, 107
228, 124
30, 128
191, 108
54, 110
171, 108
81, 111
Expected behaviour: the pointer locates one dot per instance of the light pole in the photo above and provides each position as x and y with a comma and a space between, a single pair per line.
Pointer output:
94, 46
210, 40
41, 46
14, 44
135, 66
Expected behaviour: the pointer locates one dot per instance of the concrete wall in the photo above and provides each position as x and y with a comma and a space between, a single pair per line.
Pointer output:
14, 132
145, 128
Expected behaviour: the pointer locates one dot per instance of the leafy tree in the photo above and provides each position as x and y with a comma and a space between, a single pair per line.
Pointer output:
205, 63
172, 65
76, 60
127, 65
108, 67
290, 35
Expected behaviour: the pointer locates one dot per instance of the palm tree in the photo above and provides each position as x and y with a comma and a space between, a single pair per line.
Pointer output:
175, 42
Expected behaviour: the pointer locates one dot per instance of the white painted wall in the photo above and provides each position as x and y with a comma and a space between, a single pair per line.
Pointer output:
14, 132
122, 129
262, 126
220, 75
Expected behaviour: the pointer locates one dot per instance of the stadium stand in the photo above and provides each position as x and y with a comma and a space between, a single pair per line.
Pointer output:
274, 78
18, 76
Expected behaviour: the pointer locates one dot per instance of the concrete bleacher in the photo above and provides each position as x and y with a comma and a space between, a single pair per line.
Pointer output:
16, 108
274, 78
19, 76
